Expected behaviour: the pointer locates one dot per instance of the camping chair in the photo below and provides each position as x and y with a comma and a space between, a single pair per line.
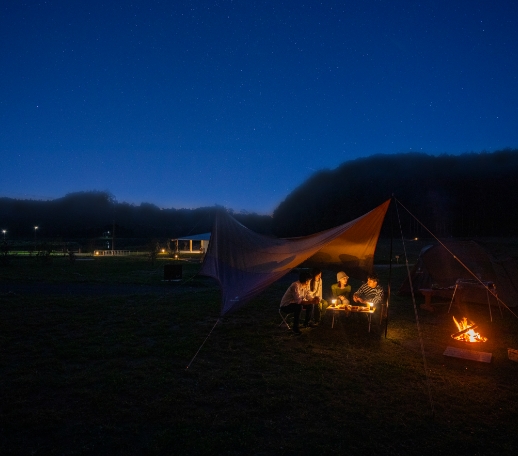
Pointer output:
285, 315
383, 315
380, 314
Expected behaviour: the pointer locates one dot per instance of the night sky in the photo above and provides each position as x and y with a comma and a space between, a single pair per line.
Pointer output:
195, 103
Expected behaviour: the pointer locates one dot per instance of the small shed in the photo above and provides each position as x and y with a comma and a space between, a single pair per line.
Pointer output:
196, 243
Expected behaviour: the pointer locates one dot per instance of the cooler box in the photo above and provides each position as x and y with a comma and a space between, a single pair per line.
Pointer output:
173, 272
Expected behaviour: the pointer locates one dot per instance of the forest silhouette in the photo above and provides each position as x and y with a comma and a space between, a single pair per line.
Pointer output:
453, 195
97, 214
466, 195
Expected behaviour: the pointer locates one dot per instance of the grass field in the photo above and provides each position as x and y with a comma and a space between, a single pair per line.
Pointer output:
94, 356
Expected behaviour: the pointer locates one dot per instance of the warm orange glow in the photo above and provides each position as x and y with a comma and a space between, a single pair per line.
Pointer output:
466, 331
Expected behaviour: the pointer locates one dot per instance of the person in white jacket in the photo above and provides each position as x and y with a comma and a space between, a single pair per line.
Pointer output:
296, 297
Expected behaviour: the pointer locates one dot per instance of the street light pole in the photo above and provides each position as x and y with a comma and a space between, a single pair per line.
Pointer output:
35, 229
4, 231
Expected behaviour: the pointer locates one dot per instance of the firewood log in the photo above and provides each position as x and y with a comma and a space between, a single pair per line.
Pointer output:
460, 333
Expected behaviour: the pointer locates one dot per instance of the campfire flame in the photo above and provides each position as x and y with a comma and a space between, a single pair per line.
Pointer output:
466, 331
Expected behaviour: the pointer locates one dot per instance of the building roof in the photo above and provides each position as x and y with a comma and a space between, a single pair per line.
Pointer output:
195, 237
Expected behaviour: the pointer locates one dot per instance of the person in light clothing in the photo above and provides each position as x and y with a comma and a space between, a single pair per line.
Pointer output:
315, 288
296, 297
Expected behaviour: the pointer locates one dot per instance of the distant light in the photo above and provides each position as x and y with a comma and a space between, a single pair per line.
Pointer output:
415, 239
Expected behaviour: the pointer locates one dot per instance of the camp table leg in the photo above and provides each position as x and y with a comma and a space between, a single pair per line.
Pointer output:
333, 312
489, 304
427, 293
495, 294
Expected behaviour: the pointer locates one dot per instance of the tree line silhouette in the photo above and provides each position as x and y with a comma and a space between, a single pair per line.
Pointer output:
86, 215
453, 195
463, 195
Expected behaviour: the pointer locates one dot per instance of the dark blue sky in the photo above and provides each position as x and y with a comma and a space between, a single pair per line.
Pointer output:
236, 103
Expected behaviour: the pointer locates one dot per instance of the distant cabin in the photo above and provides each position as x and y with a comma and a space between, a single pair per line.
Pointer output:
197, 243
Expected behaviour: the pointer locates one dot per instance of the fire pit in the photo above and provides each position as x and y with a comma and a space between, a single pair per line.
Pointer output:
466, 331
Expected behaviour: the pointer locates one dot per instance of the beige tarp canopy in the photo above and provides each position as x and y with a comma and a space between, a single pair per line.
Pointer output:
245, 263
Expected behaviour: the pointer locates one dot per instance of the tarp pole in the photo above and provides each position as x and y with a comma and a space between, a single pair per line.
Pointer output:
390, 263
415, 313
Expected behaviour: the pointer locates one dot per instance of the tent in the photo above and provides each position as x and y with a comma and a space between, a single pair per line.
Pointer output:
245, 263
438, 269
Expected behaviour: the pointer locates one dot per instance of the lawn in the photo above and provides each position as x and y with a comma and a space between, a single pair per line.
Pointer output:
96, 364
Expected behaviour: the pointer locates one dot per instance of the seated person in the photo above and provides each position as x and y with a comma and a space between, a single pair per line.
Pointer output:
341, 290
296, 297
315, 288
370, 292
